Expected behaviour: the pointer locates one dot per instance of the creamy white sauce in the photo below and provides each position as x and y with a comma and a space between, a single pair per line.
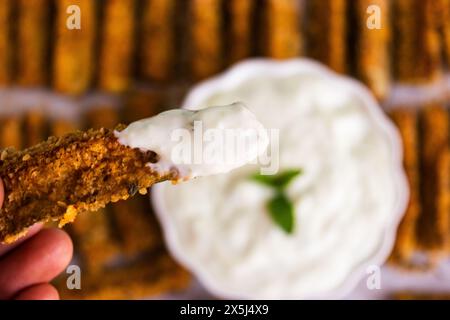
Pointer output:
193, 142
343, 201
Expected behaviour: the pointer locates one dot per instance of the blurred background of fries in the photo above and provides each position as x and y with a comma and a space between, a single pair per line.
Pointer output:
134, 58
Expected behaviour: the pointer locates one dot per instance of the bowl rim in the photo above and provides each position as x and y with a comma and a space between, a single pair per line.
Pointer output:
242, 72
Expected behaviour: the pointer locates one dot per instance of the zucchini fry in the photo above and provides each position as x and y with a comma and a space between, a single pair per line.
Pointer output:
283, 38
33, 39
327, 32
206, 56
117, 45
157, 42
73, 61
373, 47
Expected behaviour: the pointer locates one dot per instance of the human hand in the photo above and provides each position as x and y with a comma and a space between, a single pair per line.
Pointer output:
27, 265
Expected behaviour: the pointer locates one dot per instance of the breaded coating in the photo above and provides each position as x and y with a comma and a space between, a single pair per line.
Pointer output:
116, 45
433, 223
56, 179
407, 123
33, 35
35, 127
11, 132
326, 22
373, 65
73, 57
137, 227
239, 32
6, 45
282, 35
95, 240
206, 51
157, 39
153, 275
417, 51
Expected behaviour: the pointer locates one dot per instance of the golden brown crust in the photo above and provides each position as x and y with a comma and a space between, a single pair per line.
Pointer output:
62, 176
93, 233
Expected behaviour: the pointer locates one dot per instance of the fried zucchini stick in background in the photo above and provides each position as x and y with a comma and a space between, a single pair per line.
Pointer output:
433, 223
60, 177
239, 31
407, 123
93, 232
33, 35
73, 61
443, 192
282, 22
417, 52
373, 47
116, 45
35, 127
405, 295
94, 240
153, 275
206, 49
157, 39
60, 127
137, 228
142, 103
11, 132
6, 47
445, 27
327, 32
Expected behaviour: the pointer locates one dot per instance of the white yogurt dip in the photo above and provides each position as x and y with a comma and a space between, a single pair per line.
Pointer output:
192, 142
345, 202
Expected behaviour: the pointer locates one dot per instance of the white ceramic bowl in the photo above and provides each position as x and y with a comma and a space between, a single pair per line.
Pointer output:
250, 69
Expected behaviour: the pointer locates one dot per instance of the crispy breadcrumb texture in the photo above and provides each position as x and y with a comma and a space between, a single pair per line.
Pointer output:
58, 178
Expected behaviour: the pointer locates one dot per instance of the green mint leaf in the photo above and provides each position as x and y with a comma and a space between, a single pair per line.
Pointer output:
279, 181
282, 212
